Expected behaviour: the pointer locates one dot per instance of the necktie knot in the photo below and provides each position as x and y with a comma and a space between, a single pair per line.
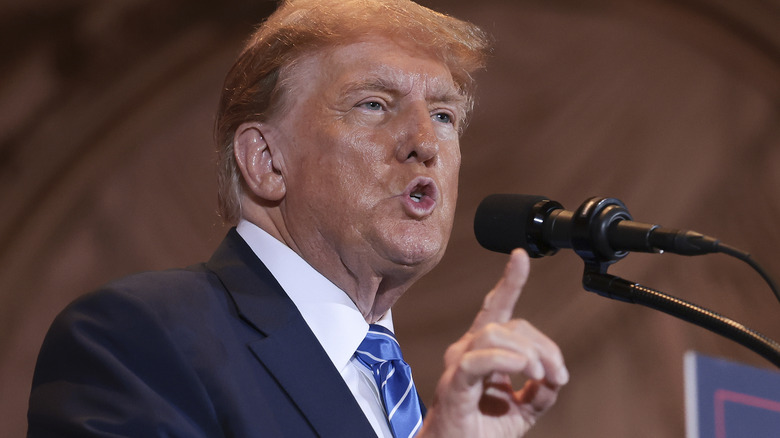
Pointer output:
379, 346
381, 353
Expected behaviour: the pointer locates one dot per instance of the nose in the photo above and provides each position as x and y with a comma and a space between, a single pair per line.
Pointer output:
418, 142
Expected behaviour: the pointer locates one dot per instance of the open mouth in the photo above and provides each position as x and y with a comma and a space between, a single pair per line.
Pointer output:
420, 197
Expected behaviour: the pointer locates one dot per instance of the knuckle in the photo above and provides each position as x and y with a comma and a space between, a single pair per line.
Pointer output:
492, 327
452, 353
492, 333
519, 325
455, 351
525, 325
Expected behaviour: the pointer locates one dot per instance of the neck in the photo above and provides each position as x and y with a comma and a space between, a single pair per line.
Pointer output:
373, 290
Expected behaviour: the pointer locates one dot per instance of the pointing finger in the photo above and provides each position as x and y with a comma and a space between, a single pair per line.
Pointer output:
499, 304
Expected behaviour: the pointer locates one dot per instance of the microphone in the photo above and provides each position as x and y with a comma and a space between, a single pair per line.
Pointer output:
600, 230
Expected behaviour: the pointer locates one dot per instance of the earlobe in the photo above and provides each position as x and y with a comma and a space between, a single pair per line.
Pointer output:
255, 160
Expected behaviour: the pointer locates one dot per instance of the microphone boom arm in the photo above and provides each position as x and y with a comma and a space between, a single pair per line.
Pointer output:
610, 286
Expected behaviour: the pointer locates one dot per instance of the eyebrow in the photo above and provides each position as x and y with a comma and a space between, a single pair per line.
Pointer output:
439, 94
373, 84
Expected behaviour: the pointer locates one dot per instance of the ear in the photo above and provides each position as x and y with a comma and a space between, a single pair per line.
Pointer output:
256, 162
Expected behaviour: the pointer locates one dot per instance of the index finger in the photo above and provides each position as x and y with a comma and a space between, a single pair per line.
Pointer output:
500, 302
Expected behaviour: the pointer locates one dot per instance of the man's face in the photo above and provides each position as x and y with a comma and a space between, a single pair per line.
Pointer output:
370, 153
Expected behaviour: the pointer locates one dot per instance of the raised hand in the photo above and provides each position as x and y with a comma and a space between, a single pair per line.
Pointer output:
474, 397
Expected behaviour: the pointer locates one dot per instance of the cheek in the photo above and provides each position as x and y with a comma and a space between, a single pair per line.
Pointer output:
449, 183
360, 161
347, 170
450, 160
446, 133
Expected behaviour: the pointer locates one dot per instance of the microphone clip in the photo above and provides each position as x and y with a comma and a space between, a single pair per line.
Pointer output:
588, 234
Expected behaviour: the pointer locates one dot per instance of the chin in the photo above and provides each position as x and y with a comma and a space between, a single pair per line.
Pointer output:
418, 253
415, 245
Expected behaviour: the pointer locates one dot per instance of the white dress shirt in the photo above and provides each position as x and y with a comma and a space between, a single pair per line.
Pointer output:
331, 315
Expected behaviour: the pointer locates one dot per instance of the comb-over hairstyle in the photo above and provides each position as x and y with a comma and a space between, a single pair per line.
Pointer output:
255, 89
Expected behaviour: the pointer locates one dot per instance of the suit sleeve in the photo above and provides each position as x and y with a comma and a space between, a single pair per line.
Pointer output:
110, 367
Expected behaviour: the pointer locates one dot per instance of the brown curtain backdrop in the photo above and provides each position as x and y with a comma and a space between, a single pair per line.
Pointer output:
106, 168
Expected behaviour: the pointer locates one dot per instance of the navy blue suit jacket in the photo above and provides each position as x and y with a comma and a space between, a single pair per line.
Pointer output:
214, 350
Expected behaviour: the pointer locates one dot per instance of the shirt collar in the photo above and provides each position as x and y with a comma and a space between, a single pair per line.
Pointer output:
329, 312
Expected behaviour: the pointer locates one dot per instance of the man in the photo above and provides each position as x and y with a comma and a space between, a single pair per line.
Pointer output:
339, 133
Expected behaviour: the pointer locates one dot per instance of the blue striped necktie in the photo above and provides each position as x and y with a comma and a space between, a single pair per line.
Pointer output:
381, 353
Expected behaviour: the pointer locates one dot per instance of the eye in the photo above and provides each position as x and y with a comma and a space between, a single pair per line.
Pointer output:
372, 105
442, 117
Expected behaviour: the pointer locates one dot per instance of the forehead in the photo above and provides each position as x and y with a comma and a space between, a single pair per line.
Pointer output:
376, 63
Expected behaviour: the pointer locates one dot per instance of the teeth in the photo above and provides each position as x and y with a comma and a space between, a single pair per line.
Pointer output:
416, 196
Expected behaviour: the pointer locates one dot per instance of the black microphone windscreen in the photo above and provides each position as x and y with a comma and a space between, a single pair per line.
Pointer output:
502, 220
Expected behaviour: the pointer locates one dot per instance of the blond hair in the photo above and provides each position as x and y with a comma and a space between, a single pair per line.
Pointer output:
254, 87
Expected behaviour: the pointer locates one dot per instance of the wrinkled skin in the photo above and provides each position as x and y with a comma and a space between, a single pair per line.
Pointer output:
366, 122
359, 176
474, 397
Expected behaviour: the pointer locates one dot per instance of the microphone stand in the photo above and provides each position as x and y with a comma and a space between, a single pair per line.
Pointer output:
588, 234
595, 279
589, 240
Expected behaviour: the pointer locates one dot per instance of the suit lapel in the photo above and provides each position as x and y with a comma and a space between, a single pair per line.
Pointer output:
285, 345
